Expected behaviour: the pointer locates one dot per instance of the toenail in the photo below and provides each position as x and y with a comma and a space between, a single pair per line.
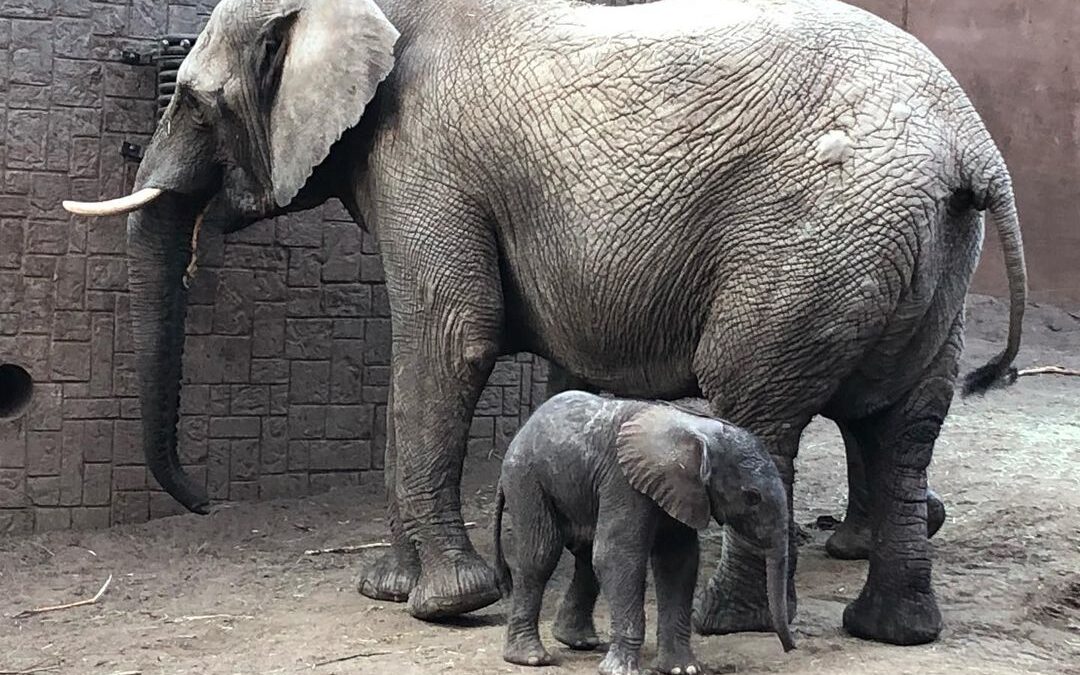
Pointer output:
691, 670
533, 660
676, 671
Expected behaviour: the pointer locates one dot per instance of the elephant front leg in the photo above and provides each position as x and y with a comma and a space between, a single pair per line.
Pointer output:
735, 599
852, 540
392, 576
433, 408
675, 564
620, 558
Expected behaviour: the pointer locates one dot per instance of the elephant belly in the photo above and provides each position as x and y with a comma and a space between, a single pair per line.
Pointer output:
635, 338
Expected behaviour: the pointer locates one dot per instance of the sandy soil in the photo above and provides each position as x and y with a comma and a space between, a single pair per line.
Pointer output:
235, 593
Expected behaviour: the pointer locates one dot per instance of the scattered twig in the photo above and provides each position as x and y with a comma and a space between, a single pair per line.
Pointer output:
347, 549
70, 605
127, 672
44, 548
360, 547
207, 617
361, 655
32, 669
1049, 370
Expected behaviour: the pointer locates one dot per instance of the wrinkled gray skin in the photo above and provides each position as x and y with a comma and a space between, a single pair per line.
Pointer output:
851, 540
776, 203
619, 483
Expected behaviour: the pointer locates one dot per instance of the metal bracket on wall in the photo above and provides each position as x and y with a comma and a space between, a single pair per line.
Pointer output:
131, 151
134, 58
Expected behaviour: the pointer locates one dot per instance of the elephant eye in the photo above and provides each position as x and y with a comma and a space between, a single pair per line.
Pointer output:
751, 496
193, 107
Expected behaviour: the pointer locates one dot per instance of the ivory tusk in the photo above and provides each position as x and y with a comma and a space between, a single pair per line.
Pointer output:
114, 207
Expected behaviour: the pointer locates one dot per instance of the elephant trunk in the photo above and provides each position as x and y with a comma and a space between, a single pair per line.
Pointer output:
776, 578
159, 245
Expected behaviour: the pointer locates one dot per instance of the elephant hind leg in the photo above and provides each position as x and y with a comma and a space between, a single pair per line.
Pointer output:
538, 544
574, 624
735, 598
392, 576
756, 372
897, 605
852, 540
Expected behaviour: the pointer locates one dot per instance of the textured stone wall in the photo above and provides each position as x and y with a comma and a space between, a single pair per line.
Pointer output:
286, 362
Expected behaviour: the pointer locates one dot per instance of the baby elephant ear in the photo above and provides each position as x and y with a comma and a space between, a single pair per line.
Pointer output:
664, 457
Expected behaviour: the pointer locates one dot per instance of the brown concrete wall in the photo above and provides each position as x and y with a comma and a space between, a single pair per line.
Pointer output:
1019, 60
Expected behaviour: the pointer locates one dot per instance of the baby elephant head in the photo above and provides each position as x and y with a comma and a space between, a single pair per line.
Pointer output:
694, 466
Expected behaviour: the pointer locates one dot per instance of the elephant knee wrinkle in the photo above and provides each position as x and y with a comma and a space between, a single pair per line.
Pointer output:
478, 355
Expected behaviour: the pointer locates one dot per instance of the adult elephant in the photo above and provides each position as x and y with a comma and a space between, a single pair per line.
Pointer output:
853, 538
775, 202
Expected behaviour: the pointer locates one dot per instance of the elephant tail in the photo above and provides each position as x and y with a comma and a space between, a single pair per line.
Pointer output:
502, 571
1001, 205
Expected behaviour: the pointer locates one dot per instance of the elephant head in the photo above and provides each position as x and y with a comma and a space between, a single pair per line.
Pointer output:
694, 466
268, 88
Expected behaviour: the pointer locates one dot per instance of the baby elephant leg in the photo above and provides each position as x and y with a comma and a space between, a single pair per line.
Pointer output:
537, 547
574, 625
621, 561
675, 565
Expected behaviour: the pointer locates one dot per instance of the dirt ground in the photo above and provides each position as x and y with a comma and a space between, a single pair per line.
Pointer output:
235, 593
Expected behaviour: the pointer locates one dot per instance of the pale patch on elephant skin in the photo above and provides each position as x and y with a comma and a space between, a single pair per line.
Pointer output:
834, 147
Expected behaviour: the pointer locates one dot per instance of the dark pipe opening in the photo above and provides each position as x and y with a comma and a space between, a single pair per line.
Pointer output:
16, 390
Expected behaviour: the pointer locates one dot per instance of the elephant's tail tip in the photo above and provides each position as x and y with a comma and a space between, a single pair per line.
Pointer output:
994, 375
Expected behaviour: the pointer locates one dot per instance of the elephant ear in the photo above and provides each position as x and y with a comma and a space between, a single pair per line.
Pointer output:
665, 457
332, 55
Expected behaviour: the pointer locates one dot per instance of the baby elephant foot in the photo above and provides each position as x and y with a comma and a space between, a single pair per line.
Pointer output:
620, 662
527, 652
686, 665
576, 632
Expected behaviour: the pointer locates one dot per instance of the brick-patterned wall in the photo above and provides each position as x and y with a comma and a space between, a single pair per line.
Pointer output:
286, 362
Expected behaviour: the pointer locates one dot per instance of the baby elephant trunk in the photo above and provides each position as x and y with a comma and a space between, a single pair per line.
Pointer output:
776, 574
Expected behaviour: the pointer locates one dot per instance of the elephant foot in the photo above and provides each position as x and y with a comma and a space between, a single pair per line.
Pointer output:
390, 578
527, 652
455, 584
679, 664
852, 540
723, 608
576, 631
935, 513
620, 662
907, 620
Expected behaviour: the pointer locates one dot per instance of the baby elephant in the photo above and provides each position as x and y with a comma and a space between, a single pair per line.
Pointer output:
618, 482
